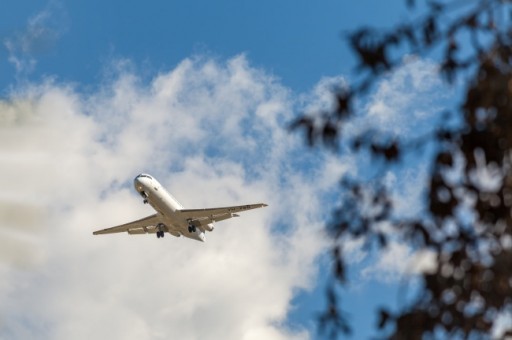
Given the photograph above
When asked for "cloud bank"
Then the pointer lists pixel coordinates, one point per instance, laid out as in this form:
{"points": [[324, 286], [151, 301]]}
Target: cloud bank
{"points": [[213, 134], [407, 104]]}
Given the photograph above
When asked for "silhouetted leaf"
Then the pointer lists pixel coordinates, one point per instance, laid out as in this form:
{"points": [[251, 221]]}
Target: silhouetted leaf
{"points": [[384, 317]]}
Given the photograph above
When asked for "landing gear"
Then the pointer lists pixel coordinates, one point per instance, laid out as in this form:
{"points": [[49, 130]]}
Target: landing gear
{"points": [[160, 230], [144, 196], [191, 227]]}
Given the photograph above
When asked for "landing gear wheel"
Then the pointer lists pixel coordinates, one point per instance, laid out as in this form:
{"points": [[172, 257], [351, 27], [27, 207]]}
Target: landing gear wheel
{"points": [[160, 230], [144, 196], [191, 228]]}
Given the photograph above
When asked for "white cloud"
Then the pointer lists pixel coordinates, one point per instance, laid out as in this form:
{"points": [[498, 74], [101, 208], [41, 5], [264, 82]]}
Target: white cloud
{"points": [[321, 99], [213, 134], [408, 102], [502, 324], [40, 34], [397, 260]]}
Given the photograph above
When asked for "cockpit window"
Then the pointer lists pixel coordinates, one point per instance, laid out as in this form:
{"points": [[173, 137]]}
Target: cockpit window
{"points": [[144, 175]]}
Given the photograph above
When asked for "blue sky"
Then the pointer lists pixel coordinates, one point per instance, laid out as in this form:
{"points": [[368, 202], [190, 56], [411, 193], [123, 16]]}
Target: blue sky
{"points": [[298, 41], [197, 93]]}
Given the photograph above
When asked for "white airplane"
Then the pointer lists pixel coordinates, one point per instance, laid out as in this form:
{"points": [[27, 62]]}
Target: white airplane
{"points": [[170, 215]]}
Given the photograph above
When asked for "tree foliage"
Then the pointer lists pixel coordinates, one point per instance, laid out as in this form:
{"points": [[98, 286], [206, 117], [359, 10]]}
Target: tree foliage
{"points": [[468, 222]]}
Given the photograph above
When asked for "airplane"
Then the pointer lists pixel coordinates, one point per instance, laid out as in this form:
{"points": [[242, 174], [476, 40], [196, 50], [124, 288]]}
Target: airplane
{"points": [[171, 217]]}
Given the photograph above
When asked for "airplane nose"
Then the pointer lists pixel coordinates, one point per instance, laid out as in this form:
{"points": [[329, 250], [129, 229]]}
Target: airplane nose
{"points": [[142, 181], [137, 183]]}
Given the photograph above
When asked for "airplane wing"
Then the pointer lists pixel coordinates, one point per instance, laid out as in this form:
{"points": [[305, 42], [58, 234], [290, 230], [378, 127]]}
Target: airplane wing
{"points": [[142, 226], [209, 215]]}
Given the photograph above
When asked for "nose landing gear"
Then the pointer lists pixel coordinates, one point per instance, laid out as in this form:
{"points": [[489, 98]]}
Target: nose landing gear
{"points": [[144, 196]]}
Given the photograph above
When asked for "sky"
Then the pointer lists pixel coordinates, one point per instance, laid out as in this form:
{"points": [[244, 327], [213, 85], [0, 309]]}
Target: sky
{"points": [[198, 94]]}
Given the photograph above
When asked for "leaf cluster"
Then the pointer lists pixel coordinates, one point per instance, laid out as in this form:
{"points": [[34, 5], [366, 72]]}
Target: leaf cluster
{"points": [[468, 219]]}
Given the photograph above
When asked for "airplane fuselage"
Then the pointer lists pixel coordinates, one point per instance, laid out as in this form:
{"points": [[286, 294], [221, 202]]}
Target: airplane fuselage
{"points": [[168, 208]]}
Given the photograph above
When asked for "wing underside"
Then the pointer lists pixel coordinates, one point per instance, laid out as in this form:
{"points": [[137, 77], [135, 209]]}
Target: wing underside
{"points": [[143, 226], [200, 217], [196, 217]]}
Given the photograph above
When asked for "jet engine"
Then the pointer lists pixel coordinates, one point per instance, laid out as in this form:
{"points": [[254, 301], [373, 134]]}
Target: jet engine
{"points": [[209, 227]]}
